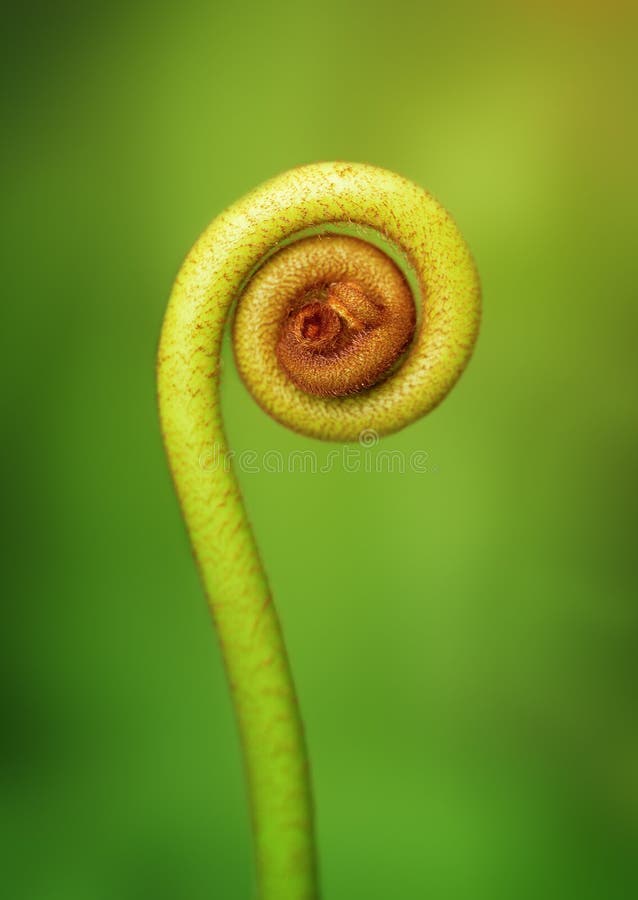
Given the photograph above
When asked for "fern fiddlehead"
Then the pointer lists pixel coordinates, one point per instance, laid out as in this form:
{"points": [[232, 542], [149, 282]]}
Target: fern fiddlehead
{"points": [[330, 340]]}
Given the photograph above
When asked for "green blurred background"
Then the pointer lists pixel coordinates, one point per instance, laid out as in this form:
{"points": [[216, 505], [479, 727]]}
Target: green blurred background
{"points": [[465, 647]]}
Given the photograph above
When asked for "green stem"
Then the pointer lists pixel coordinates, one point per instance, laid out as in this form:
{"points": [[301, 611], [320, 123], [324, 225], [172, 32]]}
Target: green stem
{"points": [[212, 275]]}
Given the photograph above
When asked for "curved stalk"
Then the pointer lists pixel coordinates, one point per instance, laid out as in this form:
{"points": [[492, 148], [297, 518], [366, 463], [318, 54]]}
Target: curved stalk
{"points": [[309, 316]]}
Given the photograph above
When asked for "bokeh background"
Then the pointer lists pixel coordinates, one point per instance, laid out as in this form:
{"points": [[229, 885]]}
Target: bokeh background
{"points": [[466, 648]]}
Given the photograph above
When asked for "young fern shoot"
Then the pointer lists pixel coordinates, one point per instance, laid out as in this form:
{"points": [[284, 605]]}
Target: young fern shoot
{"points": [[331, 341]]}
